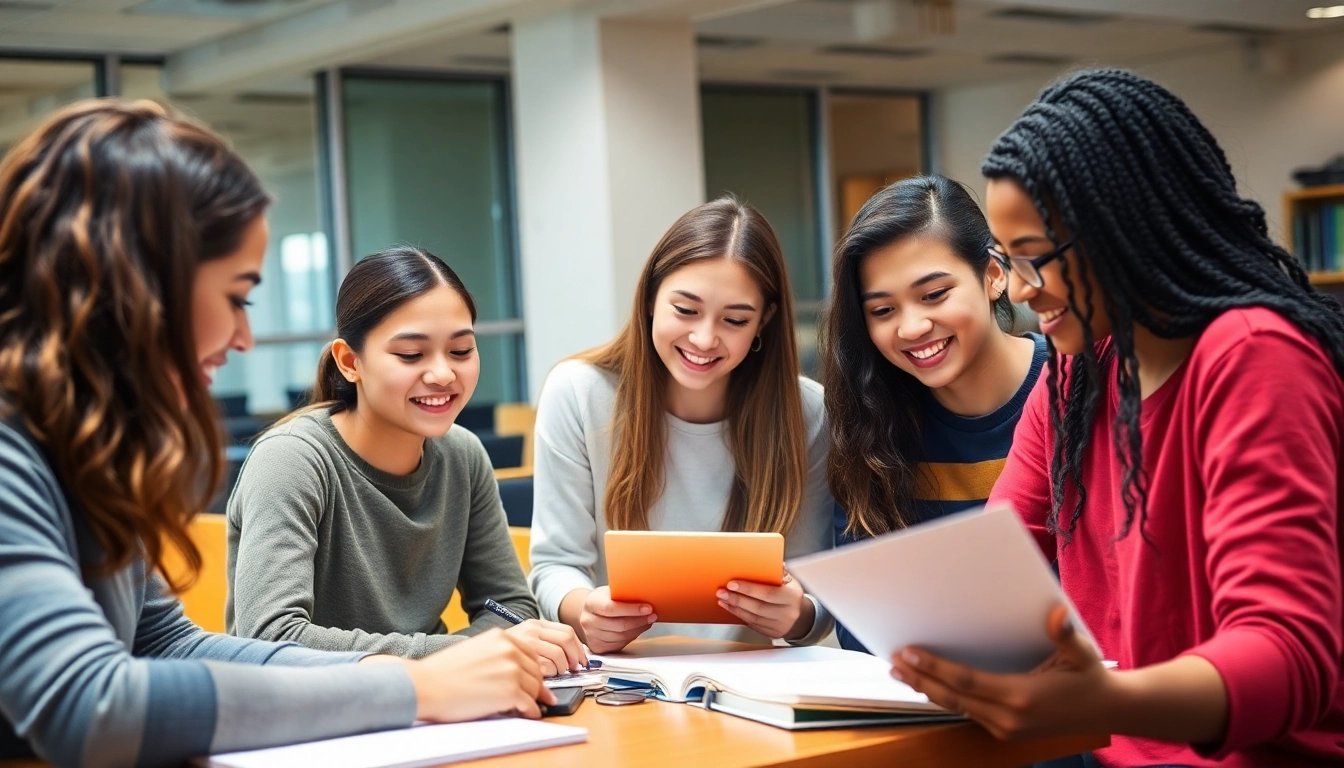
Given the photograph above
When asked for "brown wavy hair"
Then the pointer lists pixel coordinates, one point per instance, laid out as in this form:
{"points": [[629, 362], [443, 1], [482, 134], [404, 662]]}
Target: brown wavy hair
{"points": [[765, 411], [105, 212]]}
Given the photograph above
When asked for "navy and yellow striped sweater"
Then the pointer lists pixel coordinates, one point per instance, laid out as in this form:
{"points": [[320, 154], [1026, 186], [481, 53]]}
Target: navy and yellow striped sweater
{"points": [[963, 456]]}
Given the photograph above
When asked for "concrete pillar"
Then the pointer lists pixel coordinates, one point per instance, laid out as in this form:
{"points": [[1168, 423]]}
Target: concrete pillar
{"points": [[608, 151]]}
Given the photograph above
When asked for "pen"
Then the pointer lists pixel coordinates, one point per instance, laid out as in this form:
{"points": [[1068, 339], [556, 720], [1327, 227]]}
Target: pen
{"points": [[503, 612]]}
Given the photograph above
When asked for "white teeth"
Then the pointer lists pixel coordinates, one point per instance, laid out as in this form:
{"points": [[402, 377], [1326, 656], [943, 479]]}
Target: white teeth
{"points": [[432, 401], [927, 352], [1052, 314], [696, 358]]}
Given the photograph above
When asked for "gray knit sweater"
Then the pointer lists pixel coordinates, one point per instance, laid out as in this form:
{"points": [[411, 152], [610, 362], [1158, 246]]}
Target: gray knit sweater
{"points": [[330, 552]]}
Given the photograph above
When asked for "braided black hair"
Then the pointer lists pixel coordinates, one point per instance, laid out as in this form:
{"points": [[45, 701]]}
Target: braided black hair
{"points": [[1148, 197]]}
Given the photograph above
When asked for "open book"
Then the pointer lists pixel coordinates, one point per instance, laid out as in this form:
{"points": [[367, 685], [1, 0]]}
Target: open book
{"points": [[792, 688]]}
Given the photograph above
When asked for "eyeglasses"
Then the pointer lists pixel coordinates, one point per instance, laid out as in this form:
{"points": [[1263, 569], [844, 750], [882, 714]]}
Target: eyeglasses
{"points": [[1028, 268], [619, 697]]}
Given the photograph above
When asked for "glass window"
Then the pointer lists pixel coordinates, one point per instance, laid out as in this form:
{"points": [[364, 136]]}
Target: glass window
{"points": [[31, 89], [761, 145], [427, 163], [274, 130]]}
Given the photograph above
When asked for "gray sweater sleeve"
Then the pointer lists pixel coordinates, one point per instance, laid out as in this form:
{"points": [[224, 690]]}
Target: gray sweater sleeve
{"points": [[277, 506], [490, 567], [564, 513], [70, 687]]}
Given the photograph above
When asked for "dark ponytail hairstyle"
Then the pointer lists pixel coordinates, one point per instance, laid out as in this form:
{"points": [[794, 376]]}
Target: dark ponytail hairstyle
{"points": [[873, 406], [1146, 194], [375, 287]]}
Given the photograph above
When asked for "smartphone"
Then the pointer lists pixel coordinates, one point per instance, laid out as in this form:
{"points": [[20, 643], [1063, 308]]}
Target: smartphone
{"points": [[566, 701]]}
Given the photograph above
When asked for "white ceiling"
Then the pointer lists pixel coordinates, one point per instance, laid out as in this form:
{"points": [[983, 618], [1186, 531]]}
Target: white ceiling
{"points": [[271, 46], [827, 41]]}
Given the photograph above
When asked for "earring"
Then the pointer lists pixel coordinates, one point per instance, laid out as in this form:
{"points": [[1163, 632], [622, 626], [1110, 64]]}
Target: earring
{"points": [[756, 345]]}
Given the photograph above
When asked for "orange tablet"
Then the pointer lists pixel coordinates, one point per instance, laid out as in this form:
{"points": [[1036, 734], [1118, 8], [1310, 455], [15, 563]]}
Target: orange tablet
{"points": [[680, 572]]}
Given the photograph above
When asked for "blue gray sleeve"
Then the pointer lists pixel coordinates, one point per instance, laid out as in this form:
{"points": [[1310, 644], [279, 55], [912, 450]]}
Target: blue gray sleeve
{"points": [[71, 689]]}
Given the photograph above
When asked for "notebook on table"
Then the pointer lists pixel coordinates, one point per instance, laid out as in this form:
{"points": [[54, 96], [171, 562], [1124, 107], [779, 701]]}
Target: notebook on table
{"points": [[793, 688], [414, 747]]}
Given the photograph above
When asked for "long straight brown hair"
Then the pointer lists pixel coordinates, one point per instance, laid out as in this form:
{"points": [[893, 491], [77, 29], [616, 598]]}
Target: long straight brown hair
{"points": [[106, 211], [766, 433]]}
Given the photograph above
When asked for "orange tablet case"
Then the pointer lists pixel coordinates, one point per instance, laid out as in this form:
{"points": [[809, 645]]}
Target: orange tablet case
{"points": [[680, 572]]}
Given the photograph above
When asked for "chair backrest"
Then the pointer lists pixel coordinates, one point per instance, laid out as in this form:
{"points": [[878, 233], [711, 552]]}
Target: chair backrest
{"points": [[516, 495], [203, 601], [298, 397], [504, 450], [232, 405], [518, 419], [453, 616], [477, 417]]}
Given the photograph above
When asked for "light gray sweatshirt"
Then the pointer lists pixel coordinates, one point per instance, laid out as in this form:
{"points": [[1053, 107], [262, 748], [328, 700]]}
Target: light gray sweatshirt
{"points": [[331, 552], [573, 463]]}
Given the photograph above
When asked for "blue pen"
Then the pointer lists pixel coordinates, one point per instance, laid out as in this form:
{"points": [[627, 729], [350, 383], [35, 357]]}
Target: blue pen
{"points": [[503, 611]]}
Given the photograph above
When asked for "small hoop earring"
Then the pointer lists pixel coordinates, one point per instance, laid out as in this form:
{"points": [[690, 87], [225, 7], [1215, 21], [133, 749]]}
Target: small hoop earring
{"points": [[756, 345]]}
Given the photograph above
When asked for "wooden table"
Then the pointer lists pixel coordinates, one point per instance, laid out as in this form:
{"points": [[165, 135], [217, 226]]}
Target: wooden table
{"points": [[658, 734]]}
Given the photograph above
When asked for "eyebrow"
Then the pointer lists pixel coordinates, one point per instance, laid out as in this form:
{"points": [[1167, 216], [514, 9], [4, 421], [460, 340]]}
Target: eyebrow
{"points": [[1023, 240], [416, 336], [693, 297], [929, 278], [251, 277]]}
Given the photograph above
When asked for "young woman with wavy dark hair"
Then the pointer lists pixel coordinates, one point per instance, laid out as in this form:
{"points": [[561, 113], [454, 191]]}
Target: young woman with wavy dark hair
{"points": [[354, 519], [924, 382], [130, 238], [694, 418], [1182, 459]]}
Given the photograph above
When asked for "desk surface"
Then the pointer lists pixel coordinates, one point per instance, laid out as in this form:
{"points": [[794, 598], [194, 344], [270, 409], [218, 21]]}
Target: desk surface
{"points": [[656, 734]]}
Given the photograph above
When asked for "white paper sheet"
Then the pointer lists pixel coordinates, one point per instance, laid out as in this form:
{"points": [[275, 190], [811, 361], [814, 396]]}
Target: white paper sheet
{"points": [[421, 745]]}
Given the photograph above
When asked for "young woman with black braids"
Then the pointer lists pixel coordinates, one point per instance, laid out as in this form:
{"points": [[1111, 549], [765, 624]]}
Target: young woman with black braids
{"points": [[1182, 458]]}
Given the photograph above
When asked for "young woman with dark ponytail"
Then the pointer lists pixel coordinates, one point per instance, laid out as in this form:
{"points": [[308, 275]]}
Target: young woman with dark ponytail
{"points": [[130, 238], [355, 519], [1182, 459], [924, 381]]}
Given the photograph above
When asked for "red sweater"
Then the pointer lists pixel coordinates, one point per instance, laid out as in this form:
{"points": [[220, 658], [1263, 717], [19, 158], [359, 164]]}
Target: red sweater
{"points": [[1243, 448]]}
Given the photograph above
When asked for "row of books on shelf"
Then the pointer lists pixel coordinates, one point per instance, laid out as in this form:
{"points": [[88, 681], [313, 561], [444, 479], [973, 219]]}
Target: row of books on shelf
{"points": [[1318, 237]]}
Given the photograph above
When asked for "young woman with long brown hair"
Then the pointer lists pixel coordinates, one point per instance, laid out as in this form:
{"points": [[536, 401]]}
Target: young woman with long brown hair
{"points": [[924, 382], [129, 240], [355, 518], [694, 418]]}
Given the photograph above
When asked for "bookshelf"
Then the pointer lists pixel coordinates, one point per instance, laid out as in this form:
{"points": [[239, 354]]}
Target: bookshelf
{"points": [[1314, 224]]}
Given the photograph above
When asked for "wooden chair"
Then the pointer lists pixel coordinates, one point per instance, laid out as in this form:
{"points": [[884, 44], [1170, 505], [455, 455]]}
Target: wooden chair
{"points": [[453, 616], [203, 601], [518, 419]]}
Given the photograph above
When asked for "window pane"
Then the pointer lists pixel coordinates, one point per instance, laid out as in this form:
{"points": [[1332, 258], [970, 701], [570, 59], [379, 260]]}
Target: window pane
{"points": [[760, 145], [501, 357], [274, 130], [31, 90], [427, 164]]}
